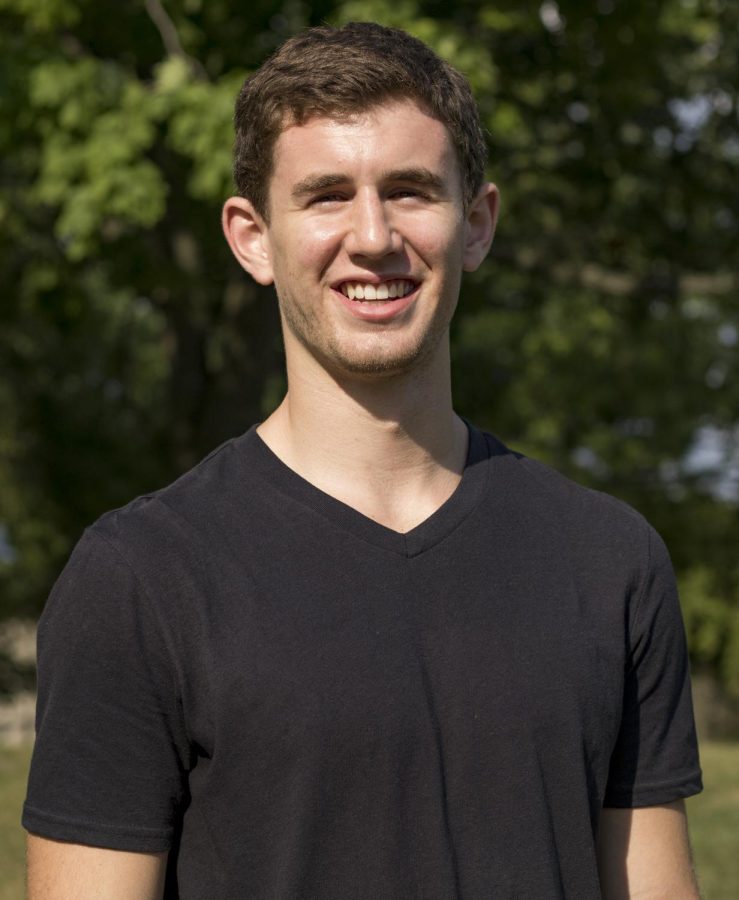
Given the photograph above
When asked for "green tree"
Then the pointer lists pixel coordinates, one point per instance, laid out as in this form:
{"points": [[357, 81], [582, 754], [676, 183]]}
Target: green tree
{"points": [[601, 336]]}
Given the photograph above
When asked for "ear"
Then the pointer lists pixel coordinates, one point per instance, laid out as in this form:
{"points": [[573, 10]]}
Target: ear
{"points": [[480, 222], [246, 233]]}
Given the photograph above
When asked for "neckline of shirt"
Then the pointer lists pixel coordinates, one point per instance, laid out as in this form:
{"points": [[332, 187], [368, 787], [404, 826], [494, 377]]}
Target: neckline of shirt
{"points": [[472, 487]]}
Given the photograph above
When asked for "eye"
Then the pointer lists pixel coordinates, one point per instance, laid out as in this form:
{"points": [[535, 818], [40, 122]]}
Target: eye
{"points": [[409, 193], [325, 199]]}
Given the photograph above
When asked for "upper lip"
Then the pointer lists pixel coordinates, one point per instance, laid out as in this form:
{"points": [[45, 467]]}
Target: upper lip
{"points": [[372, 279]]}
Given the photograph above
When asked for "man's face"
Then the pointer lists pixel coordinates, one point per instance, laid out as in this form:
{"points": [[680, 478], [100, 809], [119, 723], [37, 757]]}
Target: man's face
{"points": [[366, 239]]}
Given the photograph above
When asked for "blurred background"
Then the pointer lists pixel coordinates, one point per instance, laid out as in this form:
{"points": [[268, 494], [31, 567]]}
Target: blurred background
{"points": [[601, 336]]}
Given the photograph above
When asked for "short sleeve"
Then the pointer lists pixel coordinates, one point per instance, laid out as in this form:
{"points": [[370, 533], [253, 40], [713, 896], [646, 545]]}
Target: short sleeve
{"points": [[655, 758], [110, 762]]}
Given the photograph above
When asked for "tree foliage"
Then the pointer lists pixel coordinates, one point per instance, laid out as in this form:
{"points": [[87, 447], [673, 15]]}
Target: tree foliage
{"points": [[601, 336]]}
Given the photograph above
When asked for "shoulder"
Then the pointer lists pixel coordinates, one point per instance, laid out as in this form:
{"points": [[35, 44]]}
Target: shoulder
{"points": [[555, 494], [188, 507], [596, 531], [159, 552], [165, 542]]}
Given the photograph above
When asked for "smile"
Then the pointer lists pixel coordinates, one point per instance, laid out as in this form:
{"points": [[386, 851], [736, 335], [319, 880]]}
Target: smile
{"points": [[388, 290]]}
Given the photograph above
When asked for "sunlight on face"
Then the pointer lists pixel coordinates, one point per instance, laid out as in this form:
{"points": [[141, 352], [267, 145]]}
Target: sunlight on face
{"points": [[362, 209]]}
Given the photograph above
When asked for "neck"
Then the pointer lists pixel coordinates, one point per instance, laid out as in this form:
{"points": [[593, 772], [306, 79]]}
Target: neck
{"points": [[392, 448]]}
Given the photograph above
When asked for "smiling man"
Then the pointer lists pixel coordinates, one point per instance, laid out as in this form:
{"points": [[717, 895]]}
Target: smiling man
{"points": [[364, 650]]}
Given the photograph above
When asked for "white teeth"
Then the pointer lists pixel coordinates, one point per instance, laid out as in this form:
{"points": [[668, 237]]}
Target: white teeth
{"points": [[357, 290]]}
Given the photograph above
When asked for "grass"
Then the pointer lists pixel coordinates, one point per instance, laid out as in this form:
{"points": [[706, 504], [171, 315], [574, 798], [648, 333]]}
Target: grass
{"points": [[13, 772], [713, 816], [714, 822]]}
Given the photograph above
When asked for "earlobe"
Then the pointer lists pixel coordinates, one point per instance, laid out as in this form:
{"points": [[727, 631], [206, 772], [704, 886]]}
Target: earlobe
{"points": [[246, 233], [481, 219]]}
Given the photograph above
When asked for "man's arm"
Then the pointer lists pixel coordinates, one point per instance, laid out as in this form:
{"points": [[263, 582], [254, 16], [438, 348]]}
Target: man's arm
{"points": [[644, 853], [61, 871]]}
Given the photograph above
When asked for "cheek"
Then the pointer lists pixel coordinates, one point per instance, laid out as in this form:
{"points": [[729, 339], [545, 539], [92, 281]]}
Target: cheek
{"points": [[436, 240], [310, 251], [320, 244]]}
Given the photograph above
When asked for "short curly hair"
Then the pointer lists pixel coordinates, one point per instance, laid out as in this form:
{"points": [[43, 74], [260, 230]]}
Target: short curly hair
{"points": [[340, 72]]}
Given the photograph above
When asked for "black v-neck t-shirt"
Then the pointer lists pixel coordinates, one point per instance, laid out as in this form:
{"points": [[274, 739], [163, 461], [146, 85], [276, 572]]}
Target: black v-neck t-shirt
{"points": [[298, 702]]}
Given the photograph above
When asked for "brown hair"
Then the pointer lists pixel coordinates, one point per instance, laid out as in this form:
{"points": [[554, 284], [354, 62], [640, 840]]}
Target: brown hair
{"points": [[338, 72]]}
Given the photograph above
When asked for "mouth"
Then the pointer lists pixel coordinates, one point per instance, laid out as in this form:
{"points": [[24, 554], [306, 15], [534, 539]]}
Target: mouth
{"points": [[364, 292], [378, 303]]}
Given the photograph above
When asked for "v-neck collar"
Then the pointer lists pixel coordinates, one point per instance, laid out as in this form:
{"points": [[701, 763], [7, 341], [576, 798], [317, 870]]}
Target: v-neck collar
{"points": [[264, 463]]}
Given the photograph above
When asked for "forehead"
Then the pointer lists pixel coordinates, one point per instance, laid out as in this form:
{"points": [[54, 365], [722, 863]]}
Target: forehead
{"points": [[394, 135]]}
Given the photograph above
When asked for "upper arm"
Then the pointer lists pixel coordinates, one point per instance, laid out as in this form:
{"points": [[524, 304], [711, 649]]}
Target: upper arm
{"points": [[111, 758], [645, 853], [62, 871]]}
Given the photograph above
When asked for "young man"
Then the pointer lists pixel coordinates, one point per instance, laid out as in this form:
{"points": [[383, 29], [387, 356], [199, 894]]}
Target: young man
{"points": [[364, 650]]}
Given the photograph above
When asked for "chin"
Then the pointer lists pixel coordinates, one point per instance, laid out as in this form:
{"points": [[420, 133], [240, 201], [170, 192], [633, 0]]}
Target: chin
{"points": [[375, 366]]}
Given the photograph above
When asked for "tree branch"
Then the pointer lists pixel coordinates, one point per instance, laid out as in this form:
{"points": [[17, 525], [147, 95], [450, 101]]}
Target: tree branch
{"points": [[170, 38], [617, 282]]}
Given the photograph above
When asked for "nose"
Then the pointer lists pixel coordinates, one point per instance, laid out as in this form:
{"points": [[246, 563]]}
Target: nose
{"points": [[371, 231]]}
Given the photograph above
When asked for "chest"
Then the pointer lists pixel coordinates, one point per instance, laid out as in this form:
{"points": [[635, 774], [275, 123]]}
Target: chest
{"points": [[343, 647]]}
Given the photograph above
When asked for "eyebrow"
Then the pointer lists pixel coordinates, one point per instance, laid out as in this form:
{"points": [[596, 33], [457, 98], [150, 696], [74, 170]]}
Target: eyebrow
{"points": [[314, 184], [421, 176], [417, 175]]}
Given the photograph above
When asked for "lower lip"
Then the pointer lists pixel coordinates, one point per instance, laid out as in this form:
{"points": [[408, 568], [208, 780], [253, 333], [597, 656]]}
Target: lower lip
{"points": [[377, 310]]}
